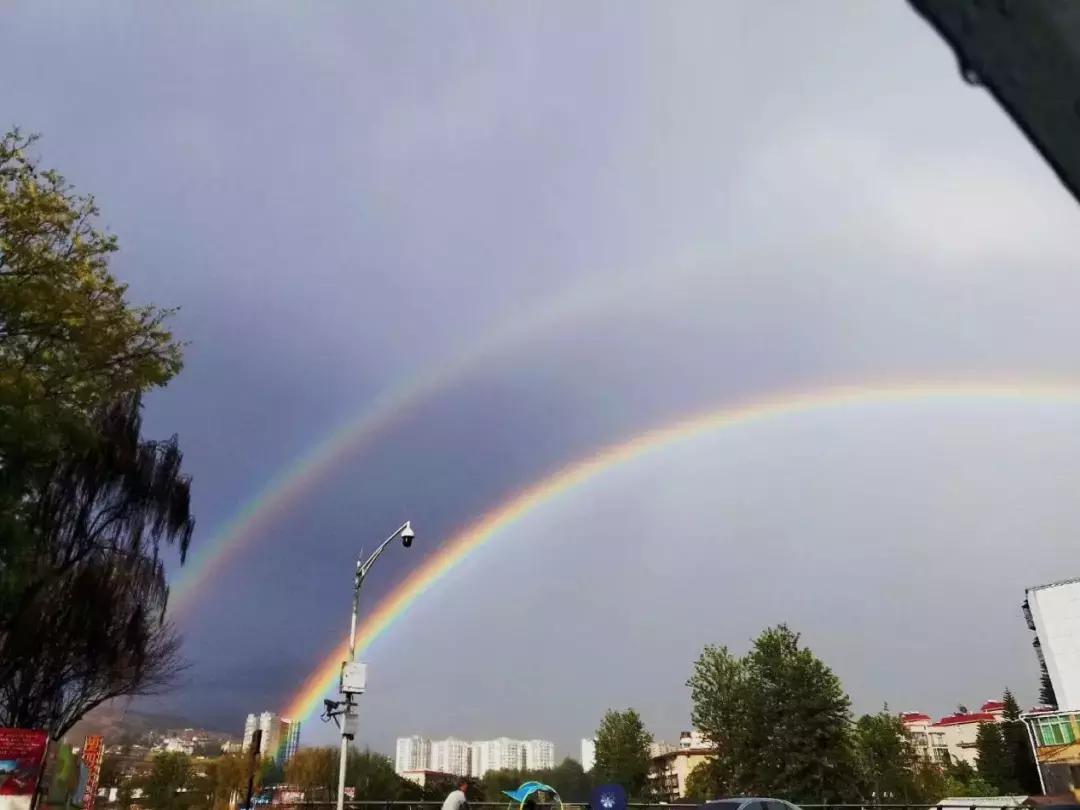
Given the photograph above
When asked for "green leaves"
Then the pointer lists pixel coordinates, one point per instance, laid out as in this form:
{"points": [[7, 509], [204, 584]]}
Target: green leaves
{"points": [[780, 720], [622, 751]]}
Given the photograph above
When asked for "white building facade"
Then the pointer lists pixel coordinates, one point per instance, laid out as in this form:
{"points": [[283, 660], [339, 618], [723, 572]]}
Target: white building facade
{"points": [[539, 754], [452, 756], [413, 754], [588, 754]]}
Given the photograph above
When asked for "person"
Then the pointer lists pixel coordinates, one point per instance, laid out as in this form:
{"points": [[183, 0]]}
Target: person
{"points": [[456, 800]]}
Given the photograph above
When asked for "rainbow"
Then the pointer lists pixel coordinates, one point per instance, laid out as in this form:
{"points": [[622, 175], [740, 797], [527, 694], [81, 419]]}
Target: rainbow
{"points": [[440, 563], [294, 480]]}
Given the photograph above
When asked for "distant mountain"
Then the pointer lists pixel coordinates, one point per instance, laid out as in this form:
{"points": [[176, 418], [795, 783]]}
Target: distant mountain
{"points": [[120, 725]]}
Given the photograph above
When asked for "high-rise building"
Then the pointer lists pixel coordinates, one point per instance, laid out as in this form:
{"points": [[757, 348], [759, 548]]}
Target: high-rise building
{"points": [[451, 756], [280, 737], [588, 754], [538, 754], [502, 753], [413, 754], [291, 742]]}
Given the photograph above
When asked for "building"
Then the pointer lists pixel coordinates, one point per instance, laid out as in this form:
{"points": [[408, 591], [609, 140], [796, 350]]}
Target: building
{"points": [[672, 764], [538, 755], [291, 740], [452, 756], [952, 738], [929, 744], [588, 754], [501, 754], [413, 754], [1053, 613], [280, 737]]}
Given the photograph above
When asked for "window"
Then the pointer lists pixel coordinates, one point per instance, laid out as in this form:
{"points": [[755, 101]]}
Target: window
{"points": [[1055, 731]]}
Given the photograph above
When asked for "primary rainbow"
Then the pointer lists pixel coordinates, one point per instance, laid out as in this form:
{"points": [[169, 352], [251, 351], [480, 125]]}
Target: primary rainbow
{"points": [[323, 679]]}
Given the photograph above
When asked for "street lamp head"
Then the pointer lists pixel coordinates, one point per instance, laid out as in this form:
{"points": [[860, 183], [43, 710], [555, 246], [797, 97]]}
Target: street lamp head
{"points": [[407, 534]]}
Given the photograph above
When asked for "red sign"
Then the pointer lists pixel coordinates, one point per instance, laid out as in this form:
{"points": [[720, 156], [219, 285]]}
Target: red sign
{"points": [[91, 760], [22, 751]]}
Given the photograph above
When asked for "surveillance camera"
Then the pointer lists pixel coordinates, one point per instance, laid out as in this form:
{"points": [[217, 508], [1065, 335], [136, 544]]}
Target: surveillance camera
{"points": [[407, 535]]}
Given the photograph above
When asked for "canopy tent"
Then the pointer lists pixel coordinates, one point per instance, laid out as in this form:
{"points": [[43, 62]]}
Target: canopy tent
{"points": [[529, 789]]}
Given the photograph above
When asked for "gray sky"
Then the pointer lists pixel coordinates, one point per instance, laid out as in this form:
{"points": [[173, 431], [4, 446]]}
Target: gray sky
{"points": [[735, 198]]}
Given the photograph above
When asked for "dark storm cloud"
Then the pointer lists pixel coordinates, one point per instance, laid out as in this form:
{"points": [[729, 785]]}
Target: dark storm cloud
{"points": [[754, 197]]}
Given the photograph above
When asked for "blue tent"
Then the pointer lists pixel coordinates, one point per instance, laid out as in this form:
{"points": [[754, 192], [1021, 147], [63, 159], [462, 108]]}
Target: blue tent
{"points": [[528, 789]]}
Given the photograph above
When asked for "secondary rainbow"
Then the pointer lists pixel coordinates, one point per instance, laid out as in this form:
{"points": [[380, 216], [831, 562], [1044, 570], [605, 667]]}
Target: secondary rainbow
{"points": [[295, 479], [395, 604]]}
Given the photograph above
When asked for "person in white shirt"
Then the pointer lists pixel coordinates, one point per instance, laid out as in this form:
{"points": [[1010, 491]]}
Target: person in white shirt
{"points": [[456, 800]]}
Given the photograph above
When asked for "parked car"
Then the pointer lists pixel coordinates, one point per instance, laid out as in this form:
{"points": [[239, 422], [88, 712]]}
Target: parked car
{"points": [[748, 803]]}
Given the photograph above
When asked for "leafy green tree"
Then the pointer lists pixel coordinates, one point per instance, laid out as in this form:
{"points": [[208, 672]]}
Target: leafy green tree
{"points": [[993, 764], [84, 502], [168, 776], [622, 752], [962, 780], [780, 719], [70, 342], [705, 782], [888, 760], [1023, 770]]}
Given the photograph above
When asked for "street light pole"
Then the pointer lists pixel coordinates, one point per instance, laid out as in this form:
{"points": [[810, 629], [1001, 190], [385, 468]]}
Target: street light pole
{"points": [[353, 678]]}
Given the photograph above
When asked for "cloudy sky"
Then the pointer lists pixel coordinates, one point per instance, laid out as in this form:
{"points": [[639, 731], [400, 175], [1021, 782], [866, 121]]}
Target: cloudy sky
{"points": [[589, 219]]}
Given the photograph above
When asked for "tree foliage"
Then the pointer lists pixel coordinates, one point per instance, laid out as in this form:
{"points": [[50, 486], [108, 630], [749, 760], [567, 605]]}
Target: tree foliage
{"points": [[69, 340], [1023, 770], [87, 620], [314, 771], [993, 765], [85, 503], [168, 776], [888, 761], [568, 777], [622, 751], [780, 720]]}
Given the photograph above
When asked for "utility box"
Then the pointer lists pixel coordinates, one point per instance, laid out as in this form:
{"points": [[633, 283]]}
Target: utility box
{"points": [[353, 678]]}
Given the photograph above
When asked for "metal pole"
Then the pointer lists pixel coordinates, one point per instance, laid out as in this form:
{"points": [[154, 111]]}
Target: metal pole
{"points": [[360, 572]]}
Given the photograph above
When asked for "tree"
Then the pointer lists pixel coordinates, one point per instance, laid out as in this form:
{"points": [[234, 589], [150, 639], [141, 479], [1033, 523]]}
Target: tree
{"points": [[69, 340], [1023, 770], [314, 771], [993, 763], [373, 776], [87, 620], [705, 782], [1046, 688], [571, 780], [780, 720], [962, 780], [169, 774], [227, 777], [888, 760], [622, 751], [84, 503]]}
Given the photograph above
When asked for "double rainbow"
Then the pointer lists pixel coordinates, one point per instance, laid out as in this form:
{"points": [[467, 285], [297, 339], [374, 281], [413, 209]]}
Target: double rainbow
{"points": [[395, 604]]}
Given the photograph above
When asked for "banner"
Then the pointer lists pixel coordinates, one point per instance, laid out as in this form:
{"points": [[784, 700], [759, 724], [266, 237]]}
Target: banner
{"points": [[22, 752], [91, 761]]}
